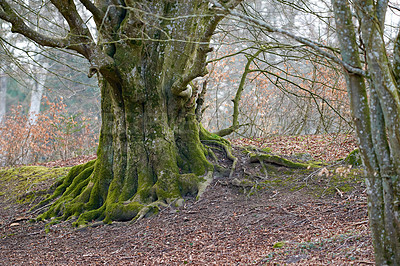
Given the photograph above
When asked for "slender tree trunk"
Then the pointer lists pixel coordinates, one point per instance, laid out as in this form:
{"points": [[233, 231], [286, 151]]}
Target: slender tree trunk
{"points": [[377, 122], [36, 95], [34, 108], [3, 88], [236, 101], [3, 95]]}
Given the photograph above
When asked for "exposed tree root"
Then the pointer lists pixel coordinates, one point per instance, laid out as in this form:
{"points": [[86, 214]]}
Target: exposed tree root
{"points": [[88, 194], [208, 139], [74, 201], [76, 175], [150, 208], [278, 160]]}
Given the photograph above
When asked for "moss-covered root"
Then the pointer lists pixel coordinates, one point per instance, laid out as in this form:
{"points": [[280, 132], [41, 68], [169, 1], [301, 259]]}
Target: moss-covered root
{"points": [[189, 184], [75, 175], [148, 201], [275, 159], [208, 138], [80, 188], [70, 191]]}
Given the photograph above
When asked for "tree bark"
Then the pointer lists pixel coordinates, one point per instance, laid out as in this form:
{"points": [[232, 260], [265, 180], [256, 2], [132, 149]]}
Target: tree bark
{"points": [[3, 95], [3, 102], [37, 94], [377, 121], [149, 153]]}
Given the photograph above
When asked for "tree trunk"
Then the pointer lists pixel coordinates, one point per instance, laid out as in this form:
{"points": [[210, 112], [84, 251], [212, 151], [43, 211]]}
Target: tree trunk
{"points": [[377, 122], [36, 94], [34, 107], [3, 95], [149, 152], [3, 89]]}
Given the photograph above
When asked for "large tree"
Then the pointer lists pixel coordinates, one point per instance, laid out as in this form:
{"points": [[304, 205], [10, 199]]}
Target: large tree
{"points": [[145, 55]]}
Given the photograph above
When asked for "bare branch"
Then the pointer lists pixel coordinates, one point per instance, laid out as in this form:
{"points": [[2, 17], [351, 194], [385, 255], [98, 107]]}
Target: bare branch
{"points": [[198, 68], [19, 26], [79, 32], [71, 15], [312, 44], [394, 7], [97, 13]]}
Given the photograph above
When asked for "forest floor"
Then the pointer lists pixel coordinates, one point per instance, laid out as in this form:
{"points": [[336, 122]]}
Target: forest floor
{"points": [[296, 217]]}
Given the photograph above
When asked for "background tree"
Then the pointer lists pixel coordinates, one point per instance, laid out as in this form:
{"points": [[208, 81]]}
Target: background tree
{"points": [[3, 95], [375, 106], [374, 99], [37, 94], [145, 55], [3, 79]]}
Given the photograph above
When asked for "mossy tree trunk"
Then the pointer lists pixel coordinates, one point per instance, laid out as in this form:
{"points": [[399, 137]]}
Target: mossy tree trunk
{"points": [[377, 118], [149, 152]]}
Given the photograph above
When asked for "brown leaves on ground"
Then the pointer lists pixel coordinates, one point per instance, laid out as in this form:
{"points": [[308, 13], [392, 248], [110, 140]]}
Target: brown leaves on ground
{"points": [[320, 147], [225, 227], [70, 162]]}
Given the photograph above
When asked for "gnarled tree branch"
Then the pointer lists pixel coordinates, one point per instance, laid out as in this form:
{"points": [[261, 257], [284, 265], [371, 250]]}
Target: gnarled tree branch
{"points": [[97, 13], [19, 26], [198, 68]]}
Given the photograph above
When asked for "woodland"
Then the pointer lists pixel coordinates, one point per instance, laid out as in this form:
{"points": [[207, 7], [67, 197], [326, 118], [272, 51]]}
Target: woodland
{"points": [[200, 132]]}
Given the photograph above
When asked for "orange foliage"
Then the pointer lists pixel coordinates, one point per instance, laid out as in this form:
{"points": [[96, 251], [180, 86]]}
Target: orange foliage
{"points": [[54, 135]]}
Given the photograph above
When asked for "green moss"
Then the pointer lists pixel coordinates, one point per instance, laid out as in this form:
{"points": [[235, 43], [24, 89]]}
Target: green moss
{"points": [[334, 180], [167, 186], [120, 212], [30, 196], [74, 183], [208, 136], [192, 156], [275, 159], [211, 140], [303, 156], [188, 184], [17, 182], [354, 158], [145, 193], [340, 180], [91, 215], [266, 149], [76, 174]]}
